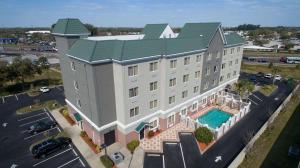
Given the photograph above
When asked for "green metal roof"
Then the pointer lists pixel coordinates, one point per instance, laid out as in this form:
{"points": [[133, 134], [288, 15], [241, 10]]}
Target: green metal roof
{"points": [[69, 26], [204, 30], [153, 31], [234, 38]]}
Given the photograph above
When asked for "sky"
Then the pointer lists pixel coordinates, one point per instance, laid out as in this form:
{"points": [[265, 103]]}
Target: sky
{"points": [[137, 13]]}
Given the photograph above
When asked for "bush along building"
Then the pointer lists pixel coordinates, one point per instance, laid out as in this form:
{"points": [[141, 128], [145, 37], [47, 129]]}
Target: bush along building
{"points": [[122, 86]]}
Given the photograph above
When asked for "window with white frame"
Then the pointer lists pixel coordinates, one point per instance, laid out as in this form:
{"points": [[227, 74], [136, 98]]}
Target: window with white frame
{"points": [[214, 81], [133, 92], [221, 78], [132, 70], [196, 89], [238, 49], [223, 65], [153, 104], [215, 69], [197, 74], [231, 50], [209, 56], [230, 63], [205, 84], [207, 71], [76, 85], [173, 64], [234, 73], [134, 111], [225, 52], [153, 66], [236, 61], [171, 99], [72, 64], [153, 124], [78, 102], [194, 106], [172, 82], [183, 111], [204, 101], [153, 86], [186, 60], [185, 78], [184, 94], [198, 58], [218, 54], [228, 75], [171, 120]]}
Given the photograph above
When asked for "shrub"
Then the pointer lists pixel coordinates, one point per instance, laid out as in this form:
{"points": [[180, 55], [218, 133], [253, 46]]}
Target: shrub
{"points": [[298, 66], [82, 133], [204, 135], [132, 145], [150, 134], [65, 112], [106, 161]]}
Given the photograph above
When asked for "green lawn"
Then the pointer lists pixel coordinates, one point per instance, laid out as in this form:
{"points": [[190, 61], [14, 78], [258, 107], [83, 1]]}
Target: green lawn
{"points": [[270, 150], [286, 72], [267, 89], [32, 84], [51, 104]]}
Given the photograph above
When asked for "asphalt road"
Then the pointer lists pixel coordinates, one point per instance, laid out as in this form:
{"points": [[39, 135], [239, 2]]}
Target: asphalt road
{"points": [[15, 140], [229, 145]]}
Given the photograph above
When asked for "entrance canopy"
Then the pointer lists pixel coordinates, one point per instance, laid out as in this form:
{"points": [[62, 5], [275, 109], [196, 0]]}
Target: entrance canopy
{"points": [[140, 127], [77, 117]]}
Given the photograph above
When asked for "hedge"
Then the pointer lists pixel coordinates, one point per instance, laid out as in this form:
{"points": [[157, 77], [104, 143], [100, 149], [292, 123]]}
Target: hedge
{"points": [[106, 161], [204, 135], [132, 145]]}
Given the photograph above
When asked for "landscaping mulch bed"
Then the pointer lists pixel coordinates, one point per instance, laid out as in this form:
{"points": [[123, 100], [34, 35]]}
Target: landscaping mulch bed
{"points": [[203, 147], [90, 143], [70, 120]]}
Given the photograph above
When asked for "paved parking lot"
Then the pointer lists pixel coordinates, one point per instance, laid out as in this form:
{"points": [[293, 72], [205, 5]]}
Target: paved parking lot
{"points": [[16, 141]]}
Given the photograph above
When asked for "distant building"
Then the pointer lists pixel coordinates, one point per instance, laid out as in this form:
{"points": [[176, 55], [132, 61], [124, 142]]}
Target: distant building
{"points": [[38, 31], [8, 40]]}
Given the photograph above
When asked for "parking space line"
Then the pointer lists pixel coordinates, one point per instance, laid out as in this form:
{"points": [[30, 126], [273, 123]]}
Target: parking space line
{"points": [[39, 133], [81, 162], [3, 101], [30, 116], [252, 101], [182, 155], [49, 116], [52, 157], [257, 97], [74, 152], [33, 121], [16, 97], [68, 162], [163, 158]]}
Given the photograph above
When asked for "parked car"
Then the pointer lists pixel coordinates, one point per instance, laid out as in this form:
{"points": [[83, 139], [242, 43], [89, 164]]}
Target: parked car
{"points": [[41, 126], [277, 77], [41, 150], [253, 78], [268, 76], [44, 89], [260, 74]]}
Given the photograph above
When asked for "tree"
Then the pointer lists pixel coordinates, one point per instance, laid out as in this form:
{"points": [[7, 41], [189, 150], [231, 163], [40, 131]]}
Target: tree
{"points": [[244, 86], [204, 135], [43, 65], [270, 65], [3, 72]]}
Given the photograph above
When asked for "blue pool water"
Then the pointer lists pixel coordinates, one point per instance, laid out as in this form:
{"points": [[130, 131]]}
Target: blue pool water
{"points": [[214, 118]]}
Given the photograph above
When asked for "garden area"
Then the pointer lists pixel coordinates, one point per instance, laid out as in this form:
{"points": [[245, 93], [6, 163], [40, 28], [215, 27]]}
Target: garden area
{"points": [[267, 89], [204, 138], [65, 113], [50, 105]]}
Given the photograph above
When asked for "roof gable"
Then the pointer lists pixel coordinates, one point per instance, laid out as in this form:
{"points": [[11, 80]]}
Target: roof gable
{"points": [[153, 31], [69, 26], [234, 38]]}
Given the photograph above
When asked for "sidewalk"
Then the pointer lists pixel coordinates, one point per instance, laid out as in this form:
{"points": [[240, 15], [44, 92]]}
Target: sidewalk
{"points": [[74, 133]]}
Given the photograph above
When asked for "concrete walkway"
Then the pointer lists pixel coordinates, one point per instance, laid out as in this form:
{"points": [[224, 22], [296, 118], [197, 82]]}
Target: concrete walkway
{"points": [[74, 133]]}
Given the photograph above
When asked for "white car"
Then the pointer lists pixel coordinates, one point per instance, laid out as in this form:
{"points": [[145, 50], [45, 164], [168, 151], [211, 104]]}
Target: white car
{"points": [[277, 77], [44, 89], [268, 76]]}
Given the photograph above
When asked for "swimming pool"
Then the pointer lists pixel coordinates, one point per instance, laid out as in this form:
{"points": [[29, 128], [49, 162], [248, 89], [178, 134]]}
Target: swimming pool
{"points": [[214, 118]]}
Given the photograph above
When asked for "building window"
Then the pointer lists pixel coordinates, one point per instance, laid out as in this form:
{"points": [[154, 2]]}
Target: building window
{"points": [[184, 94], [231, 50], [134, 111], [76, 85], [236, 61], [153, 104], [133, 92], [196, 89], [221, 78], [197, 74], [223, 65], [195, 106], [185, 78], [153, 124], [238, 49], [173, 64], [171, 120], [215, 69], [73, 66], [207, 71], [205, 85], [225, 52], [209, 56], [198, 58], [234, 73], [133, 70], [171, 99], [218, 54], [153, 86], [230, 63], [172, 82], [228, 75], [214, 81], [78, 103], [183, 111], [186, 60], [153, 66]]}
